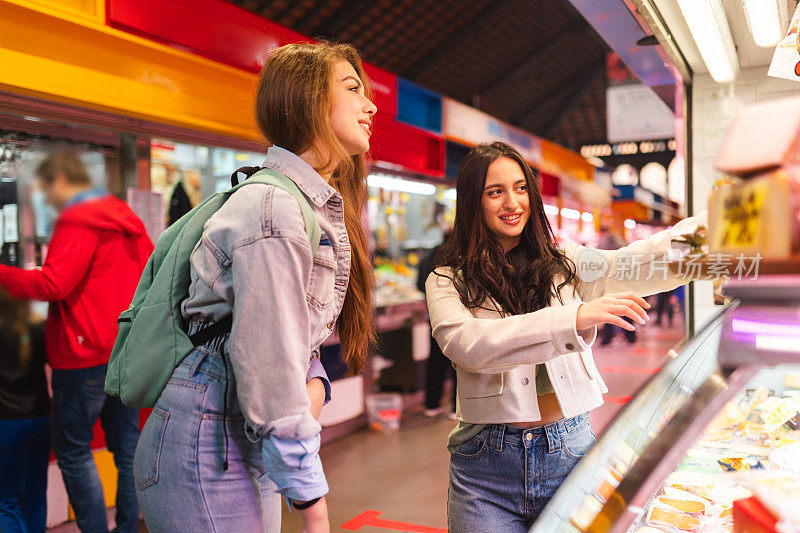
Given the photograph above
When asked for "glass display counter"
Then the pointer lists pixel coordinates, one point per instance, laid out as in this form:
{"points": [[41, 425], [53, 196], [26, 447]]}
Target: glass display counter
{"points": [[718, 424]]}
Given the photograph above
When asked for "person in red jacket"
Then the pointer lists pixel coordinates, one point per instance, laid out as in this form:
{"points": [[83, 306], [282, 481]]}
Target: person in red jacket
{"points": [[95, 258]]}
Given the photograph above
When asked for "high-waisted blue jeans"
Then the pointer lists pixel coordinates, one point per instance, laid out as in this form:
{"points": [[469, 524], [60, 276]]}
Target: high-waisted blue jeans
{"points": [[501, 479], [178, 468]]}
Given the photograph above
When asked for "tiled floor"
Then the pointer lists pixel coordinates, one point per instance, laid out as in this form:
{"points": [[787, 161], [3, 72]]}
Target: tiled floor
{"points": [[399, 483]]}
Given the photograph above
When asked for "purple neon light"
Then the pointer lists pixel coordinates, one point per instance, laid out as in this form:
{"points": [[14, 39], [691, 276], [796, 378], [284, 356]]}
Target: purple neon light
{"points": [[757, 327]]}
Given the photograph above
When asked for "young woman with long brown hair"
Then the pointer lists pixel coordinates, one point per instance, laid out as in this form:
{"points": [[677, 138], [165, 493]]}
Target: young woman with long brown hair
{"points": [[255, 261], [516, 316]]}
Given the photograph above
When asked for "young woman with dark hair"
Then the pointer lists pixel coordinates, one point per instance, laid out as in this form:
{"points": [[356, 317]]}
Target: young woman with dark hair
{"points": [[255, 262], [516, 316]]}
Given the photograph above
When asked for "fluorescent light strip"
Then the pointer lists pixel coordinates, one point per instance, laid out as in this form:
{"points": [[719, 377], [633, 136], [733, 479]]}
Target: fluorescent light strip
{"points": [[550, 210], [570, 213], [630, 223], [709, 28], [587, 217], [450, 194], [756, 327], [765, 18], [778, 343], [389, 183]]}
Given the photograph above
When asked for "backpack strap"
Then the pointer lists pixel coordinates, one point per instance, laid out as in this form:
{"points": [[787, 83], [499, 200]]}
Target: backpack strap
{"points": [[313, 230], [268, 176]]}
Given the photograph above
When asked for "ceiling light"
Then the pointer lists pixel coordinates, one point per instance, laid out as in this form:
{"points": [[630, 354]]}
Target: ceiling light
{"points": [[767, 20], [450, 194], [389, 183], [550, 210], [596, 161], [709, 28], [587, 216], [573, 214], [777, 343], [629, 223]]}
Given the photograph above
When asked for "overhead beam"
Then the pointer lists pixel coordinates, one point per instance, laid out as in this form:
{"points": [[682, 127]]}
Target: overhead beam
{"points": [[306, 26], [584, 85], [481, 22], [525, 115], [352, 10], [564, 34], [278, 17]]}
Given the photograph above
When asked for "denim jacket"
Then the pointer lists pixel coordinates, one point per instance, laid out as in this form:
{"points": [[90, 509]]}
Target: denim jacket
{"points": [[255, 259]]}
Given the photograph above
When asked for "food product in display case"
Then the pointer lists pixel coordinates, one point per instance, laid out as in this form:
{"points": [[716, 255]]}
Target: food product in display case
{"points": [[759, 211], [717, 426]]}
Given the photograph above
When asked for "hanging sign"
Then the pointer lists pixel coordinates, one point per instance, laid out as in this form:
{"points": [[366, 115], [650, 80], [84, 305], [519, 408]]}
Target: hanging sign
{"points": [[469, 126], [786, 60], [635, 113]]}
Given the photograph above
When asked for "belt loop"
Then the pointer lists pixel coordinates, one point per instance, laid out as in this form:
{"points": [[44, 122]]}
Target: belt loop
{"points": [[496, 437], [553, 432], [201, 356]]}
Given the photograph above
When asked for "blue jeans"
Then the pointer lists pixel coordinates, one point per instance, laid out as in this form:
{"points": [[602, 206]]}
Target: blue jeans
{"points": [[179, 472], [24, 456], [78, 401], [501, 479]]}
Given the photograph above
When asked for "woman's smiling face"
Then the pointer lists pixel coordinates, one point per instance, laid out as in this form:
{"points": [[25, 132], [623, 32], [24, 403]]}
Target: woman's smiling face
{"points": [[505, 202], [351, 111]]}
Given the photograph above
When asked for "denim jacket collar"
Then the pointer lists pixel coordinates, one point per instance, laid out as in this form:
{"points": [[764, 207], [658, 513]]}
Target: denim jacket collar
{"points": [[307, 179]]}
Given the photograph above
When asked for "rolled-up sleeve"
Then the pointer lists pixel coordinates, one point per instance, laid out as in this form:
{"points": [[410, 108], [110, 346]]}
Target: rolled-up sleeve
{"points": [[295, 467], [270, 349]]}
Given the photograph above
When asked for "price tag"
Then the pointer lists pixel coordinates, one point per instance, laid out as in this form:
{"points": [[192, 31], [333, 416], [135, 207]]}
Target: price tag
{"points": [[776, 412], [740, 218]]}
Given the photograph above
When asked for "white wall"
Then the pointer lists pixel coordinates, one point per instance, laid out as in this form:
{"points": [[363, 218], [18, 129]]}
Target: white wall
{"points": [[714, 107]]}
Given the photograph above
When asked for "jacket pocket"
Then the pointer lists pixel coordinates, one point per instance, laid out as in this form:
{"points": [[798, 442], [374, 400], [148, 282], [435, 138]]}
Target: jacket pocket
{"points": [[321, 285], [472, 386], [147, 460]]}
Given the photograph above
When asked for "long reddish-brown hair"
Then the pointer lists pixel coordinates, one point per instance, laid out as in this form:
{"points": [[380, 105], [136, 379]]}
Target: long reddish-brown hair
{"points": [[293, 105]]}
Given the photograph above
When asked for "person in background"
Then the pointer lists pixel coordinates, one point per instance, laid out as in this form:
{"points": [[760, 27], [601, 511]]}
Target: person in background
{"points": [[610, 240], [24, 420], [95, 258], [664, 303], [439, 367]]}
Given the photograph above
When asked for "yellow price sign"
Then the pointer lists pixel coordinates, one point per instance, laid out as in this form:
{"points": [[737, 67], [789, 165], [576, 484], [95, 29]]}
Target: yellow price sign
{"points": [[741, 216]]}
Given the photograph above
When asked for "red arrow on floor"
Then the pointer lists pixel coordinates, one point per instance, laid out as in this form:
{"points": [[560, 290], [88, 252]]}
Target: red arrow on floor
{"points": [[371, 519]]}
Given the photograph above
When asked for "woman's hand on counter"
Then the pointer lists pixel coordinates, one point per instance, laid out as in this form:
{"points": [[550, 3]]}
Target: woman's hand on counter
{"points": [[610, 309]]}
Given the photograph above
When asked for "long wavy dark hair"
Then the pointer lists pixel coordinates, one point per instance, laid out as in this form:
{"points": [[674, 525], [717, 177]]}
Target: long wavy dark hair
{"points": [[520, 280]]}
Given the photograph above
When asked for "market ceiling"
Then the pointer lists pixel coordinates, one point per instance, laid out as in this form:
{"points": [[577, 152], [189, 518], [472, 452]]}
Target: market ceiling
{"points": [[538, 65]]}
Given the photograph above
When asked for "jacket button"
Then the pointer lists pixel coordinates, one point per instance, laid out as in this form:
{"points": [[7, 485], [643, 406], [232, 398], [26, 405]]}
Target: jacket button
{"points": [[529, 436], [525, 381], [570, 346]]}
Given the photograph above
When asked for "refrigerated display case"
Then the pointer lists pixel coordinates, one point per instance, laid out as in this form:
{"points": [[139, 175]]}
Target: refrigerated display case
{"points": [[718, 424]]}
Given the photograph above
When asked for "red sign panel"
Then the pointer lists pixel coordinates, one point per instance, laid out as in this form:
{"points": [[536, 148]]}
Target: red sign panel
{"points": [[234, 36], [214, 29]]}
